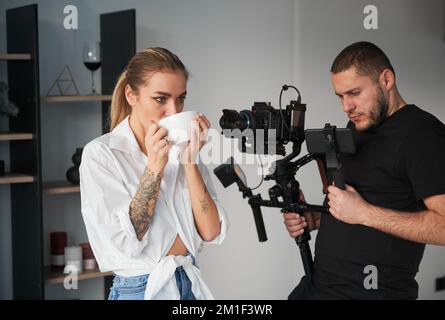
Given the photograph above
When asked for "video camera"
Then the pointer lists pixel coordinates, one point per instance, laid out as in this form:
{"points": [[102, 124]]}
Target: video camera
{"points": [[265, 130], [282, 125]]}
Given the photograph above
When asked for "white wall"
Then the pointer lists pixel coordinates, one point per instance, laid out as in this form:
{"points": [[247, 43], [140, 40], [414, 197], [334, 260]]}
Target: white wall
{"points": [[238, 52]]}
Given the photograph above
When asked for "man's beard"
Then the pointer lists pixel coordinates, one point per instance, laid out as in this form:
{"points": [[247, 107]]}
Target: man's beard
{"points": [[378, 113]]}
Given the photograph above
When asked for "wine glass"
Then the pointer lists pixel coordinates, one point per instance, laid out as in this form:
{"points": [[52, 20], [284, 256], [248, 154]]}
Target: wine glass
{"points": [[92, 59]]}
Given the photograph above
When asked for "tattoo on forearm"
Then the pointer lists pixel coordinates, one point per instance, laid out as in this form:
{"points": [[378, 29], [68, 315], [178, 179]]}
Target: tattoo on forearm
{"points": [[204, 206], [144, 202]]}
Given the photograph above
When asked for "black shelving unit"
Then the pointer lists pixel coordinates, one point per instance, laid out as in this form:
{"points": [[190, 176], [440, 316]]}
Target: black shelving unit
{"points": [[25, 155], [118, 40]]}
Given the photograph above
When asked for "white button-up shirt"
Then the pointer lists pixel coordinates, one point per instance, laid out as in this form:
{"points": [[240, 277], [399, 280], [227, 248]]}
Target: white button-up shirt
{"points": [[111, 168]]}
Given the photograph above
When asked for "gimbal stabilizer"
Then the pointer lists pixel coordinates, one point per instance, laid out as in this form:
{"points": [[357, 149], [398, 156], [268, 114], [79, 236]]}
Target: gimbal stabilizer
{"points": [[324, 146]]}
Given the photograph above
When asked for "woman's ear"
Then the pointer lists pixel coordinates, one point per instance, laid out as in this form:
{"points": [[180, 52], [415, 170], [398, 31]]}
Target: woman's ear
{"points": [[130, 95], [387, 79]]}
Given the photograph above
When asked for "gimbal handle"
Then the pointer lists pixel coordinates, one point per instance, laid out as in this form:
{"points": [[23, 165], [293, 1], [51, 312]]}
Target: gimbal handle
{"points": [[338, 178], [259, 223]]}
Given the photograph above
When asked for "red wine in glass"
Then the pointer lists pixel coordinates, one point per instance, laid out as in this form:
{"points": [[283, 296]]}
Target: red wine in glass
{"points": [[92, 60], [92, 66]]}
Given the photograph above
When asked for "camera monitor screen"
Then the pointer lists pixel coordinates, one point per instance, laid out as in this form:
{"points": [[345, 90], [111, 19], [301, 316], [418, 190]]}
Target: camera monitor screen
{"points": [[316, 140]]}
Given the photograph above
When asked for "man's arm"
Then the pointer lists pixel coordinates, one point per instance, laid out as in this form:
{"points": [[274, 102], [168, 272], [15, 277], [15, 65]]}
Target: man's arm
{"points": [[426, 226]]}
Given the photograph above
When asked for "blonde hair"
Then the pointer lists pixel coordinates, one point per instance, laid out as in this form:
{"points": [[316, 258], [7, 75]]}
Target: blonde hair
{"points": [[136, 73]]}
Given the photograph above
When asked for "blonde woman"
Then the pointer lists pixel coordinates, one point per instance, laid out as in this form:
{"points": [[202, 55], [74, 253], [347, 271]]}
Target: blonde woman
{"points": [[147, 207]]}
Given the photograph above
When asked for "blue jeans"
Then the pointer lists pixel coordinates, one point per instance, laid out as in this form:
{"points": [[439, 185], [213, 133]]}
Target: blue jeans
{"points": [[133, 288]]}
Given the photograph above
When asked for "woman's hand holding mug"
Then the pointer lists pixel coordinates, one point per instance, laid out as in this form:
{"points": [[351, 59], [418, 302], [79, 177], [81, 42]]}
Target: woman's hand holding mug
{"points": [[157, 146]]}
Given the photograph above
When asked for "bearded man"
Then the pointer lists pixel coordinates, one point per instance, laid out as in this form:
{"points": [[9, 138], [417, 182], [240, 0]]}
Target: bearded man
{"points": [[372, 242]]}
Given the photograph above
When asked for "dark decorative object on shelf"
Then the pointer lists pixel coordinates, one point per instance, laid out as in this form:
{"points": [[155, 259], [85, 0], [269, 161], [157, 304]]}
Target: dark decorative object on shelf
{"points": [[7, 107], [58, 241], [73, 173], [2, 167]]}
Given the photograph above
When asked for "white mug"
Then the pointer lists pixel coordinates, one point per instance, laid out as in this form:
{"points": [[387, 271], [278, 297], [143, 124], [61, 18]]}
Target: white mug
{"points": [[178, 126]]}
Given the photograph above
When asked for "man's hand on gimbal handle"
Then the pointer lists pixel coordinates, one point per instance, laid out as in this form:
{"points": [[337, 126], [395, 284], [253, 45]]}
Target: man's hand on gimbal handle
{"points": [[295, 223]]}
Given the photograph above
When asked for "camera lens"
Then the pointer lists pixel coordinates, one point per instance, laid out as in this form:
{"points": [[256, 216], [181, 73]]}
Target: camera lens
{"points": [[233, 119]]}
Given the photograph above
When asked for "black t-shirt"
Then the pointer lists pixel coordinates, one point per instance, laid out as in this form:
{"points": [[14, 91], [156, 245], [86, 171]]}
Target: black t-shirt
{"points": [[396, 165]]}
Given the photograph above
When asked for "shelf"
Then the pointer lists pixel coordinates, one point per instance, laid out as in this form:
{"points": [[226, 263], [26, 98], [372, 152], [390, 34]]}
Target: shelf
{"points": [[9, 136], [56, 277], [60, 187], [10, 178], [15, 56], [76, 98]]}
